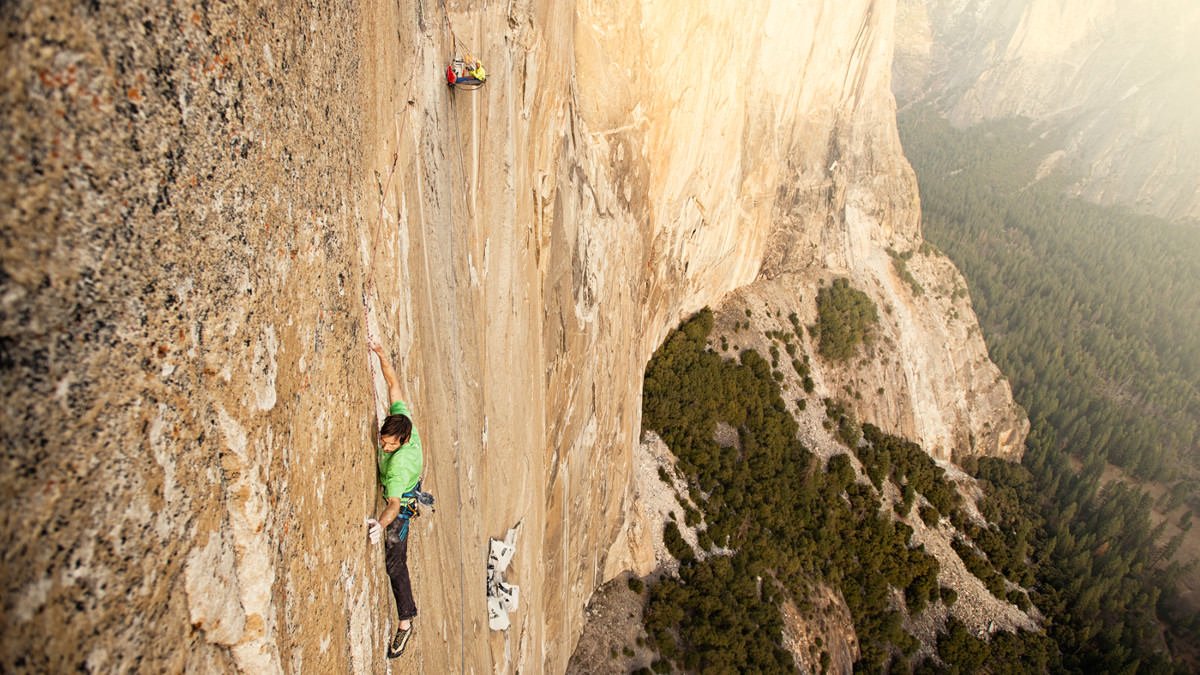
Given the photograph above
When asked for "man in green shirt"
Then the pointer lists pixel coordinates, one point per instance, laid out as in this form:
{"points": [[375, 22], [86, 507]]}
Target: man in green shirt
{"points": [[400, 464]]}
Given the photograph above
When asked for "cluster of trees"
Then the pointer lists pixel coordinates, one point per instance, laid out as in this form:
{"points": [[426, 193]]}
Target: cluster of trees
{"points": [[1095, 566], [846, 318], [720, 615], [908, 466], [1091, 552], [1002, 653], [1088, 555], [789, 521], [900, 263], [1091, 314], [800, 362]]}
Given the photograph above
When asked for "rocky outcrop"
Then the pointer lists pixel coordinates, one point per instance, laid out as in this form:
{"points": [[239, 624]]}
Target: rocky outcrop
{"points": [[822, 637], [209, 208], [1112, 81], [925, 375]]}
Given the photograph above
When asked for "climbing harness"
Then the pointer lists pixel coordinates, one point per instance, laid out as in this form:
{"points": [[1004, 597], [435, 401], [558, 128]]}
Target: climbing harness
{"points": [[409, 508]]}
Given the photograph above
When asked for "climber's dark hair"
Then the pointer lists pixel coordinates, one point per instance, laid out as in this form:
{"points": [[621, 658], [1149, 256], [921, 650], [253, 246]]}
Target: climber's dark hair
{"points": [[397, 425]]}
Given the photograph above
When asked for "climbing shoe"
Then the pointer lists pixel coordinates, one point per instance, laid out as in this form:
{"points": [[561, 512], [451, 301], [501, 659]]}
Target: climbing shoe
{"points": [[400, 641]]}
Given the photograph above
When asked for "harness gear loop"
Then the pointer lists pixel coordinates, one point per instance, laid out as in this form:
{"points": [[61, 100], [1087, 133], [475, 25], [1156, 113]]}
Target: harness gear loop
{"points": [[409, 507]]}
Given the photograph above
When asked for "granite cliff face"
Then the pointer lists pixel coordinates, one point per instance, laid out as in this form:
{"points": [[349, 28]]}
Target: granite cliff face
{"points": [[1115, 80], [208, 210]]}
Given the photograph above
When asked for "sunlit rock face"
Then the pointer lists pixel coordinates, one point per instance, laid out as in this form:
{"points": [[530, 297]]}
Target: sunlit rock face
{"points": [[208, 209], [1117, 79]]}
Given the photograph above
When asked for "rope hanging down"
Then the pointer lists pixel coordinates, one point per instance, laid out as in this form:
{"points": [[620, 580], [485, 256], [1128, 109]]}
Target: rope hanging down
{"points": [[462, 579], [464, 70]]}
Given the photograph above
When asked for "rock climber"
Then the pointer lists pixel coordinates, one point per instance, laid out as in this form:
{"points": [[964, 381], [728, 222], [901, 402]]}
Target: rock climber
{"points": [[400, 464], [465, 72]]}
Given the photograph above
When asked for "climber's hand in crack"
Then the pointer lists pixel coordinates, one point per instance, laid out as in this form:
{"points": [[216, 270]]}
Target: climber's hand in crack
{"points": [[374, 530], [389, 374]]}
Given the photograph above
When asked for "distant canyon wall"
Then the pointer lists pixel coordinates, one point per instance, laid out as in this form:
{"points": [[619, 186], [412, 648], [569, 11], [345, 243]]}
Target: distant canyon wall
{"points": [[1117, 79], [210, 209]]}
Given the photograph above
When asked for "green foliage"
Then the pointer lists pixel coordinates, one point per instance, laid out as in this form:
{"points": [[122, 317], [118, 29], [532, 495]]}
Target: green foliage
{"points": [[1003, 653], [1018, 598], [1089, 549], [848, 430], [676, 546], [839, 472], [846, 318], [908, 466], [789, 521], [1089, 311], [929, 515], [717, 618], [949, 596], [636, 585], [979, 566], [900, 263]]}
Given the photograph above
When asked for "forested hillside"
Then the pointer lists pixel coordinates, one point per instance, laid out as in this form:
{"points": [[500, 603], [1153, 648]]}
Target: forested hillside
{"points": [[1092, 313], [777, 523]]}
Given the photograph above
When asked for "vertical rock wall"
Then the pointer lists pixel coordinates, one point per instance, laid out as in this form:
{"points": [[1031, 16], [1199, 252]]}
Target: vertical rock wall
{"points": [[209, 210], [181, 321]]}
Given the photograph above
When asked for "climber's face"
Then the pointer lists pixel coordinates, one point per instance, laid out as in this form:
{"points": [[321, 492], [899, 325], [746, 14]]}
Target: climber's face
{"points": [[389, 443]]}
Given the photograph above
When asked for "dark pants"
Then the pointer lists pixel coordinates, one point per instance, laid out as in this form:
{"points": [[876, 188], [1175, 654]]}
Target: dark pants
{"points": [[396, 559]]}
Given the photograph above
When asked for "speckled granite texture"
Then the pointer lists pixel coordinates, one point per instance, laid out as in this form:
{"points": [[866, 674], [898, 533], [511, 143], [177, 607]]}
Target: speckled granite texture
{"points": [[174, 174]]}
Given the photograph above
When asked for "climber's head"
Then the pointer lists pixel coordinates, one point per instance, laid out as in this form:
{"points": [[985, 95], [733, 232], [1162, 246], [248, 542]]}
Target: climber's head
{"points": [[395, 432]]}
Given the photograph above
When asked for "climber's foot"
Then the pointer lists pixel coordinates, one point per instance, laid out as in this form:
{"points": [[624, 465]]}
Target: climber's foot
{"points": [[400, 641]]}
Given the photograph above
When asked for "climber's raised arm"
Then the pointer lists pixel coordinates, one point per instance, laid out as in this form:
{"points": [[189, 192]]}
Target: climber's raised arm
{"points": [[389, 375]]}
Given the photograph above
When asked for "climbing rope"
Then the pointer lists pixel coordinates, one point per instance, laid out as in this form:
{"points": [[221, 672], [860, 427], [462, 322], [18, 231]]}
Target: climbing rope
{"points": [[369, 280], [369, 288], [462, 578], [458, 47], [455, 43]]}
